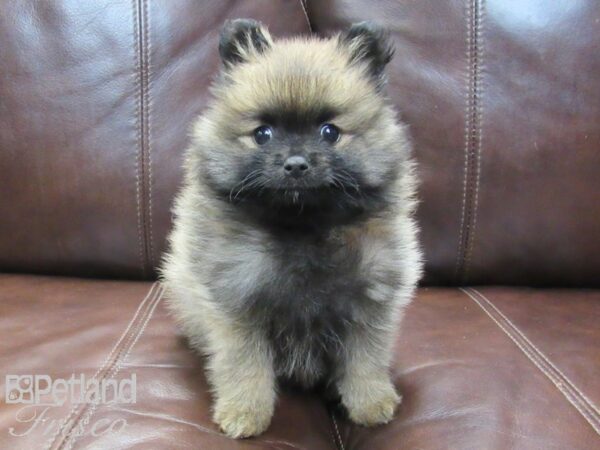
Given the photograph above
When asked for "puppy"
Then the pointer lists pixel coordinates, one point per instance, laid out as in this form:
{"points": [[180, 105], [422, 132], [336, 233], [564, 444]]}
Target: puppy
{"points": [[294, 249]]}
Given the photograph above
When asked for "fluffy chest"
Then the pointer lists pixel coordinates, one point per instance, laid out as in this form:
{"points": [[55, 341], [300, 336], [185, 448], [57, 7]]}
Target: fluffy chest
{"points": [[313, 294], [311, 278], [306, 294]]}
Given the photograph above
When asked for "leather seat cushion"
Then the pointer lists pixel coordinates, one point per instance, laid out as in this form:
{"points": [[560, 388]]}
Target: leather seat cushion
{"points": [[491, 368]]}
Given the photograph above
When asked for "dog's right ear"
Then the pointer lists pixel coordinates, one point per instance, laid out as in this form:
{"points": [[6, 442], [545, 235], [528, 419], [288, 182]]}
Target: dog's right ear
{"points": [[369, 44], [241, 39]]}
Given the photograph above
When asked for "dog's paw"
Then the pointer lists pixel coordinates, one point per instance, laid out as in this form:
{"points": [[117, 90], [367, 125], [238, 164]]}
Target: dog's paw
{"points": [[371, 407], [240, 421]]}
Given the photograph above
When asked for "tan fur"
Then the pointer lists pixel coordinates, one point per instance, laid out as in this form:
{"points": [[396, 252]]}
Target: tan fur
{"points": [[289, 75], [300, 74]]}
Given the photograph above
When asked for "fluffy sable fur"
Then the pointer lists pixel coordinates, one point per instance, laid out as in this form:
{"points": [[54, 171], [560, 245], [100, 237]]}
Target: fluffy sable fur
{"points": [[297, 280]]}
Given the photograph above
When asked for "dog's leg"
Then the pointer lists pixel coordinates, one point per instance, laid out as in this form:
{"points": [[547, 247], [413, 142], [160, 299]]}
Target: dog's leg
{"points": [[241, 375], [365, 387]]}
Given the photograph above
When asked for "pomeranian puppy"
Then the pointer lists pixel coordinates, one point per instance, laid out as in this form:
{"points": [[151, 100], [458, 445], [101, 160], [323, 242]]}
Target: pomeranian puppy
{"points": [[294, 250]]}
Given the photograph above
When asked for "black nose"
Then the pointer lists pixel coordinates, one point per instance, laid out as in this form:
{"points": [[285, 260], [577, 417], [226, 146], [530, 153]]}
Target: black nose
{"points": [[295, 166]]}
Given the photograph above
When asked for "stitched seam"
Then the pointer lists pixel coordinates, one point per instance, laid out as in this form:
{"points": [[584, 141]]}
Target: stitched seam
{"points": [[138, 133], [141, 41], [82, 418], [472, 148], [85, 417], [466, 149], [562, 383], [68, 434], [147, 111], [103, 366], [337, 437], [478, 114], [541, 354], [305, 11]]}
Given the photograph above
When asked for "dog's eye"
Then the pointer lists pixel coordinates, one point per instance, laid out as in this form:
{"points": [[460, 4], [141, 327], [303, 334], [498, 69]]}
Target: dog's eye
{"points": [[263, 134], [330, 133]]}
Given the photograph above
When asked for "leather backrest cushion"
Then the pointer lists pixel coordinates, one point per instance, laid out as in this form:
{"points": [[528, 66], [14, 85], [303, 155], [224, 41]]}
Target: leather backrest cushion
{"points": [[502, 99], [96, 102]]}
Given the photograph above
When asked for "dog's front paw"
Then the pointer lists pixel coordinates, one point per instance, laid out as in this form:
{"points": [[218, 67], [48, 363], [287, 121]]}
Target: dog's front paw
{"points": [[372, 405], [241, 420]]}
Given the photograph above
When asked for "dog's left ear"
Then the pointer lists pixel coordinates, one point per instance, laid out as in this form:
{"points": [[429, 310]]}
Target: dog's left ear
{"points": [[240, 39], [369, 44]]}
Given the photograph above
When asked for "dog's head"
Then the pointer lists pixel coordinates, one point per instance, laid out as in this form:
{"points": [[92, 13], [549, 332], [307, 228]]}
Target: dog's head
{"points": [[300, 123]]}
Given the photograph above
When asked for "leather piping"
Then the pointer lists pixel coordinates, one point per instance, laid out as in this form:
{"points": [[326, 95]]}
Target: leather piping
{"points": [[138, 158], [473, 139], [578, 399], [110, 366], [306, 16], [142, 116], [84, 419], [337, 437]]}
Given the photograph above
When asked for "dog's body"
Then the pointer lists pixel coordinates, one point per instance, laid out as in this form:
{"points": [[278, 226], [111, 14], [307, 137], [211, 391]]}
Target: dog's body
{"points": [[293, 254]]}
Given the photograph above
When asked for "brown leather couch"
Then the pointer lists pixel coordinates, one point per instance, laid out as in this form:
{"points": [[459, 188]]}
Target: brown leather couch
{"points": [[500, 349]]}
